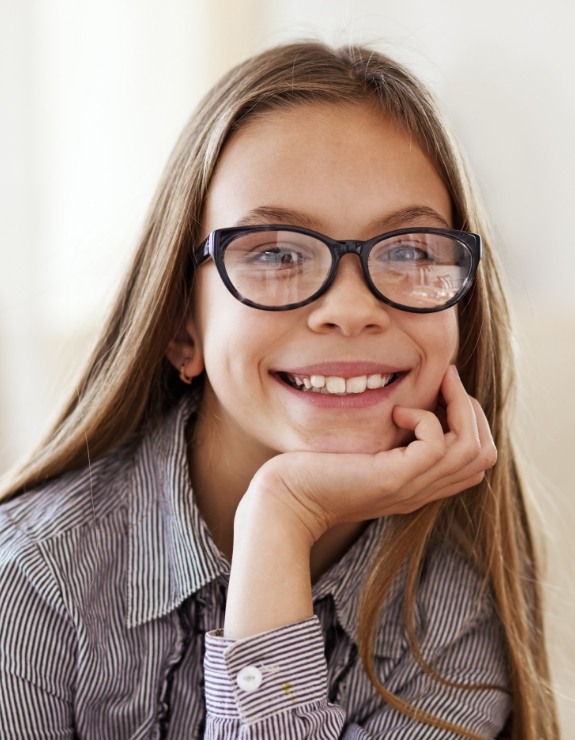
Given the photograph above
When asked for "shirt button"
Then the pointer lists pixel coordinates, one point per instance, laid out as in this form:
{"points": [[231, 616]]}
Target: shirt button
{"points": [[249, 678]]}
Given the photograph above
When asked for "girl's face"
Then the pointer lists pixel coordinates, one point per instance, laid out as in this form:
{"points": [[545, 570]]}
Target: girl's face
{"points": [[347, 172]]}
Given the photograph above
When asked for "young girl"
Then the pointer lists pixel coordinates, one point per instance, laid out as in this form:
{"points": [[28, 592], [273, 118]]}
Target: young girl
{"points": [[272, 507]]}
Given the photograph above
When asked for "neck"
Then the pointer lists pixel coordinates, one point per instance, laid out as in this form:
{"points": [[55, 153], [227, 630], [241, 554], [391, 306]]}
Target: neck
{"points": [[221, 469]]}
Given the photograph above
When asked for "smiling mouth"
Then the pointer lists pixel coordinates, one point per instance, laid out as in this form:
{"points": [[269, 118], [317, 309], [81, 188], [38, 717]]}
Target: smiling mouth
{"points": [[335, 385]]}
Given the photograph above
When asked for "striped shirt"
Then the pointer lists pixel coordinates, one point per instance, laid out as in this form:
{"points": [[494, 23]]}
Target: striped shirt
{"points": [[113, 592]]}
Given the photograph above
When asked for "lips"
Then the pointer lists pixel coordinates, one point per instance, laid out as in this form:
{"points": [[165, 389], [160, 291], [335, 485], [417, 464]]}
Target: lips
{"points": [[338, 385]]}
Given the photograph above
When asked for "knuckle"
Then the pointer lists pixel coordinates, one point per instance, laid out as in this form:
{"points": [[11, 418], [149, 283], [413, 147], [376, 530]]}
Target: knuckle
{"points": [[436, 449], [390, 483], [470, 450], [490, 455], [476, 479], [409, 505]]}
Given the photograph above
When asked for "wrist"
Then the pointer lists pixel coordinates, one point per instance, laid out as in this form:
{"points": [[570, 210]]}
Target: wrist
{"points": [[270, 578], [269, 500]]}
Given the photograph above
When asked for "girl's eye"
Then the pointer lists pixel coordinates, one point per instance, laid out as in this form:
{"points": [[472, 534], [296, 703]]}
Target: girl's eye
{"points": [[276, 256], [406, 253]]}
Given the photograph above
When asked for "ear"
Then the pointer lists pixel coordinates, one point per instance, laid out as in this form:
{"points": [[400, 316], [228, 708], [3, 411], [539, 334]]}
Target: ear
{"points": [[185, 352]]}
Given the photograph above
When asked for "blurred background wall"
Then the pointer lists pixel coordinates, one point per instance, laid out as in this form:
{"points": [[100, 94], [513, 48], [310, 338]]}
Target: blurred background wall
{"points": [[93, 96]]}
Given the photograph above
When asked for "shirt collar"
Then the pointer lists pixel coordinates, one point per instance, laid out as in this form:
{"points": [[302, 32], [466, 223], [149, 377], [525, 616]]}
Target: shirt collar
{"points": [[171, 552]]}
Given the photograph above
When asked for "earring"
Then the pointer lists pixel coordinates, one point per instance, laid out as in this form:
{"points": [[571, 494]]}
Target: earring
{"points": [[183, 377]]}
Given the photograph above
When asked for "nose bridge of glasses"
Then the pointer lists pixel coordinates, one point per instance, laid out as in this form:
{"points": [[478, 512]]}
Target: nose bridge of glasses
{"points": [[348, 246]]}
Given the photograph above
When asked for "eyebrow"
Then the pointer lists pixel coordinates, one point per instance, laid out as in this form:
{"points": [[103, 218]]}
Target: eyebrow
{"points": [[274, 215], [421, 215], [411, 216]]}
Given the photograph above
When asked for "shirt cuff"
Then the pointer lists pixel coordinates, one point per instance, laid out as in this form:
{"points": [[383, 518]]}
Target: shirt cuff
{"points": [[256, 677]]}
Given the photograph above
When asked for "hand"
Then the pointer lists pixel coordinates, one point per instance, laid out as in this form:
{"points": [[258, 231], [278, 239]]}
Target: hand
{"points": [[318, 490], [296, 497]]}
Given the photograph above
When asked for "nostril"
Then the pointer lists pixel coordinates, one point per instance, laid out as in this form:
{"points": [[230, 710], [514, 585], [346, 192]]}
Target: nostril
{"points": [[348, 310]]}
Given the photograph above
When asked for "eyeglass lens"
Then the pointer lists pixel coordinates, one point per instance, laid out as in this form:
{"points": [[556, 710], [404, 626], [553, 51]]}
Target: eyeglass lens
{"points": [[279, 268]]}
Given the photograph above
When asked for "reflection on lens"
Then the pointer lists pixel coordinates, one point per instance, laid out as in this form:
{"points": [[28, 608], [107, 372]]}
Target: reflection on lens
{"points": [[277, 268], [420, 270]]}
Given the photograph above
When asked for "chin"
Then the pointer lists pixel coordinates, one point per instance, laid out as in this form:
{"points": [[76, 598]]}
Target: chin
{"points": [[354, 444]]}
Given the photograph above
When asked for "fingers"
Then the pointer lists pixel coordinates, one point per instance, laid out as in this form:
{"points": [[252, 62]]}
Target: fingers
{"points": [[459, 411], [468, 429], [444, 458], [485, 437], [465, 440]]}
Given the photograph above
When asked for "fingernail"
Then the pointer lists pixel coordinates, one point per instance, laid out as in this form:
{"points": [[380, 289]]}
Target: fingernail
{"points": [[454, 371]]}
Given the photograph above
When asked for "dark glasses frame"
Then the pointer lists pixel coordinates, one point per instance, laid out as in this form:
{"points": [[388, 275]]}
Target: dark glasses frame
{"points": [[216, 243]]}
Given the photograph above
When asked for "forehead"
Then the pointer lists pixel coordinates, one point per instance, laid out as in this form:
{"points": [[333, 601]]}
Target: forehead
{"points": [[340, 167]]}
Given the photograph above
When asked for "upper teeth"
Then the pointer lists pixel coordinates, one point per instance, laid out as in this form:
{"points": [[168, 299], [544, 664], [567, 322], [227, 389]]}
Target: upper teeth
{"points": [[338, 386]]}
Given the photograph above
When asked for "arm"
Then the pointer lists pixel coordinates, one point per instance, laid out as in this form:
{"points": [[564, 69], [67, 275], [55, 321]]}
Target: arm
{"points": [[36, 653], [296, 497], [460, 636]]}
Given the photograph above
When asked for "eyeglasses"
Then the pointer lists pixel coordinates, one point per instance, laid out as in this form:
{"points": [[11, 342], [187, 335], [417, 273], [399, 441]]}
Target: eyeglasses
{"points": [[278, 268]]}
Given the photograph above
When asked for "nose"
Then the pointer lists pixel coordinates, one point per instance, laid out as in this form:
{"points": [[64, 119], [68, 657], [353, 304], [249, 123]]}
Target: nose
{"points": [[348, 306]]}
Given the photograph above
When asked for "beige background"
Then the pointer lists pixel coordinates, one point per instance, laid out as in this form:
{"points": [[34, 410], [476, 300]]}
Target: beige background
{"points": [[93, 96]]}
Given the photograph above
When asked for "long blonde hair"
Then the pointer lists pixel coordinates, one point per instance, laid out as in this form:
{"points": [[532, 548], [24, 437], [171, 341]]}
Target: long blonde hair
{"points": [[128, 382]]}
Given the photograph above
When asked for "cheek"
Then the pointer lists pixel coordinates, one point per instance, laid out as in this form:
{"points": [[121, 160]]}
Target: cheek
{"points": [[439, 337], [436, 335], [215, 311], [235, 338], [452, 331], [438, 341]]}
